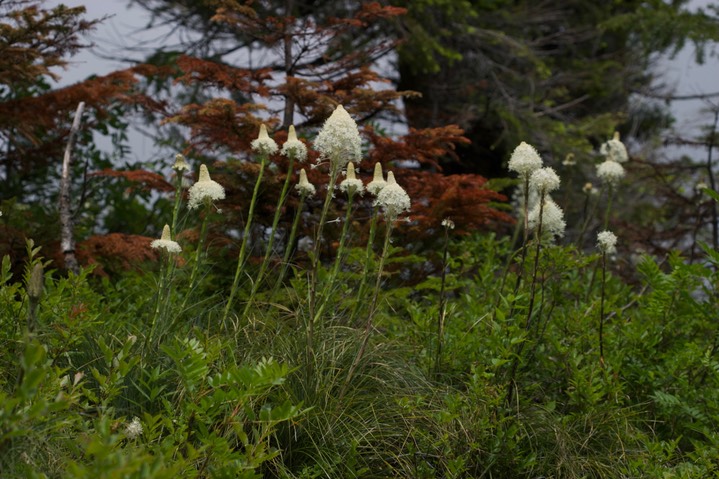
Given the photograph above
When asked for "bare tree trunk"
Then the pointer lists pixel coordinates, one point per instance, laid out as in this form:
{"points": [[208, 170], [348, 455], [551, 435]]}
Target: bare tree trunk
{"points": [[289, 102], [67, 240], [712, 182]]}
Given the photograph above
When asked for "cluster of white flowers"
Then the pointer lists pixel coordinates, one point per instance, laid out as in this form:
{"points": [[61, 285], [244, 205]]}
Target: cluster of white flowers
{"points": [[180, 163], [339, 140], [544, 180], [165, 242], [610, 173], [294, 148], [304, 187], [351, 184], [589, 189], [134, 429], [205, 190], [607, 242], [448, 223], [552, 218], [393, 199], [524, 160], [378, 182], [263, 144], [614, 149]]}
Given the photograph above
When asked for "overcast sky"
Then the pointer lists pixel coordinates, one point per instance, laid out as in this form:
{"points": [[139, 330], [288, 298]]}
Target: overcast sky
{"points": [[123, 28]]}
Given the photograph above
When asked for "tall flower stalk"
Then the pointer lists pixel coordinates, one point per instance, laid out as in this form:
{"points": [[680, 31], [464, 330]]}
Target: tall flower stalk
{"points": [[293, 149], [373, 187], [352, 186], [263, 146], [306, 190], [394, 201], [338, 142], [202, 194], [448, 224], [607, 244], [168, 248]]}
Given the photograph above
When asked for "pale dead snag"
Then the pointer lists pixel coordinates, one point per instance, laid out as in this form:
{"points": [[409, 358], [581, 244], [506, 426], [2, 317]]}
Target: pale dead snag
{"points": [[67, 240]]}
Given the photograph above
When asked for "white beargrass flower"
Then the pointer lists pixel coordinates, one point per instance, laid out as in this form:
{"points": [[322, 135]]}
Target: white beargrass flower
{"points": [[614, 149], [263, 144], [294, 148], [339, 140], [205, 190], [544, 180], [610, 172], [393, 199], [378, 182], [448, 223], [589, 189], [351, 184], [607, 242], [180, 163], [552, 218], [524, 160], [165, 242], [304, 186], [569, 160], [134, 429]]}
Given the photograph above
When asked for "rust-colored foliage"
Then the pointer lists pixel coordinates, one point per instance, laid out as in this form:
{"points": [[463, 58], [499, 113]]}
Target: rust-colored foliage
{"points": [[115, 252], [147, 179]]}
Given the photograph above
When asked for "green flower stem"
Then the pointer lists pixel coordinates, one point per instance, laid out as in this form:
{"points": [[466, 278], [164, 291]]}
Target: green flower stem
{"points": [[367, 264], [198, 255], [372, 310], [334, 171], [601, 310], [245, 238], [442, 305], [178, 200], [610, 197], [164, 267], [270, 243], [338, 258], [288, 247]]}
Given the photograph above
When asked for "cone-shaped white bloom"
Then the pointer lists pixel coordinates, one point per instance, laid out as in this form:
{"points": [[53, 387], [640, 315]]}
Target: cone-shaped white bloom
{"points": [[263, 144], [205, 190], [393, 199], [448, 223], [294, 148], [351, 184], [378, 182], [607, 242], [524, 160], [304, 186], [544, 180], [339, 140], [180, 163], [610, 172], [552, 218], [165, 242], [614, 149]]}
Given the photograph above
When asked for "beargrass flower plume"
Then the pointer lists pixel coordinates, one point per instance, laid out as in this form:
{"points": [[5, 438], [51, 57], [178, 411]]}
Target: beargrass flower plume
{"points": [[165, 242], [544, 180], [294, 148], [351, 184], [304, 187], [205, 190], [552, 218], [378, 182], [610, 173], [263, 144], [589, 189], [569, 160], [607, 242], [614, 149], [180, 163], [524, 160], [134, 429], [393, 199], [339, 140]]}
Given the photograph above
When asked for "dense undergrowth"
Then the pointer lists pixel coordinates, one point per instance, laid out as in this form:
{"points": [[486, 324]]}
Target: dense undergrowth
{"points": [[500, 363]]}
